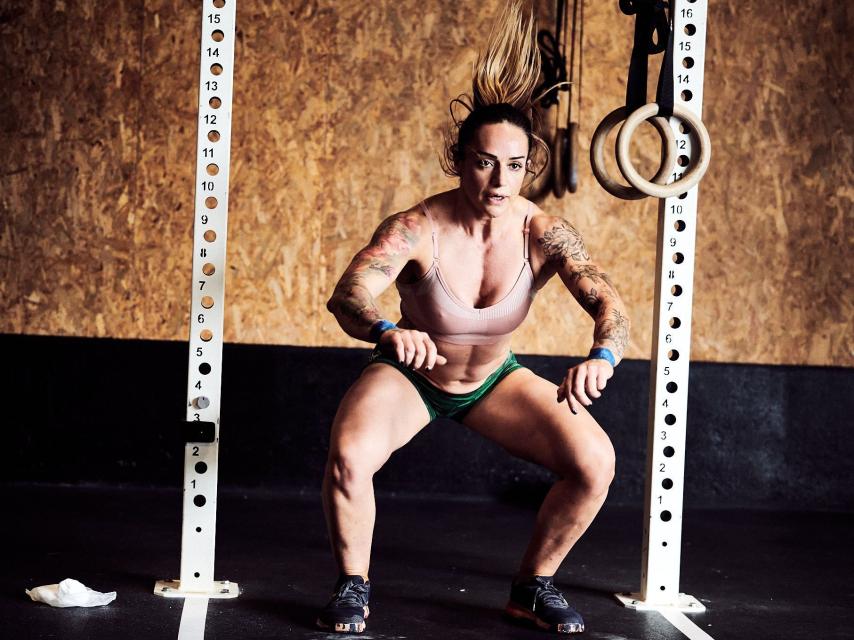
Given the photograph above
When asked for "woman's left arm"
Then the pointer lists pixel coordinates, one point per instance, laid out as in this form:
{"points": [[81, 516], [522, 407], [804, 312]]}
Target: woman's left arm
{"points": [[563, 250]]}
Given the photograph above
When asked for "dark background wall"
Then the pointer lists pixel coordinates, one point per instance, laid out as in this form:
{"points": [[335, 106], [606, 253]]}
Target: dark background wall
{"points": [[107, 411]]}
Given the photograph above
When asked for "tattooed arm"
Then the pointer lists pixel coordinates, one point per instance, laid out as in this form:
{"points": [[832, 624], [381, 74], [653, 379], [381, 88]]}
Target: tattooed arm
{"points": [[565, 253], [371, 271]]}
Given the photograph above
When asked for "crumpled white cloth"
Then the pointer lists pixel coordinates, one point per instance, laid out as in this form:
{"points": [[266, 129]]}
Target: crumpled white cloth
{"points": [[70, 593]]}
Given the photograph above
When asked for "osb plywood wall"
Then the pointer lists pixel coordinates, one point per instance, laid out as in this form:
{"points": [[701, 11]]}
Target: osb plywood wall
{"points": [[338, 114]]}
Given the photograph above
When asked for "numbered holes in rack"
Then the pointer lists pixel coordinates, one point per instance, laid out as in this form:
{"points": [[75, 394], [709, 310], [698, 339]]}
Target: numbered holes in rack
{"points": [[676, 290], [672, 387], [212, 169], [211, 202], [679, 225], [215, 103], [204, 368], [666, 517], [670, 419], [682, 161], [200, 467], [686, 95], [218, 36], [219, 4], [672, 355], [207, 302], [199, 500], [210, 235], [690, 29], [667, 483], [678, 258], [688, 62], [213, 135], [216, 69], [208, 269], [206, 335], [669, 452], [675, 323]]}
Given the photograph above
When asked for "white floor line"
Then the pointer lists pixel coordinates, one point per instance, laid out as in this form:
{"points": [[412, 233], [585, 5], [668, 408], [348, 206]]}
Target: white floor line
{"points": [[193, 618], [685, 625]]}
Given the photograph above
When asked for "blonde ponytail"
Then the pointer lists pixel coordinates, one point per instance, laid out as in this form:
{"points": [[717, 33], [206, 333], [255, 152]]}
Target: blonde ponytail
{"points": [[504, 78], [508, 70]]}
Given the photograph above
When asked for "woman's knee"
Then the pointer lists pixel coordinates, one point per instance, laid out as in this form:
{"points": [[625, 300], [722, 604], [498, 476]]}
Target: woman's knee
{"points": [[592, 470], [351, 465]]}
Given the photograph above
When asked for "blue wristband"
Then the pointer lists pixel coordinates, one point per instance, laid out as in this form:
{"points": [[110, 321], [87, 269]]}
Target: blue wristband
{"points": [[601, 353], [379, 328]]}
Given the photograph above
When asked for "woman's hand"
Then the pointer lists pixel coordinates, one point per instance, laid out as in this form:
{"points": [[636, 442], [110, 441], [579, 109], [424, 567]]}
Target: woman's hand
{"points": [[413, 348], [584, 381]]}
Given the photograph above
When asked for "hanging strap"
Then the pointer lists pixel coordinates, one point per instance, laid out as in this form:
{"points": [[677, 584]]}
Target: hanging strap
{"points": [[553, 62], [652, 35], [664, 94]]}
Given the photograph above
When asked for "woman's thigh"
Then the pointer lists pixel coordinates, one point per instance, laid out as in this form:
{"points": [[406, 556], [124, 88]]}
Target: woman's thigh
{"points": [[380, 413], [522, 415]]}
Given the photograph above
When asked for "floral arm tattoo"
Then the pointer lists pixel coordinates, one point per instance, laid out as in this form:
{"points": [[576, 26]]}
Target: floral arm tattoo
{"points": [[564, 249], [372, 270]]}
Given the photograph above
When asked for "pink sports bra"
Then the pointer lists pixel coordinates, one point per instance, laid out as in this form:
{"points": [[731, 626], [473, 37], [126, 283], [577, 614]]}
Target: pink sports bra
{"points": [[429, 304]]}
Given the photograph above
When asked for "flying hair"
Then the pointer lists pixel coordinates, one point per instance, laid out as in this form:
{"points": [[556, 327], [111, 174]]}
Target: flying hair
{"points": [[508, 70], [504, 78]]}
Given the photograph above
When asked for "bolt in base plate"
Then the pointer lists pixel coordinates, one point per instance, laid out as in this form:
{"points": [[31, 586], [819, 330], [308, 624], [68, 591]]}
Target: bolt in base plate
{"points": [[685, 604], [219, 589]]}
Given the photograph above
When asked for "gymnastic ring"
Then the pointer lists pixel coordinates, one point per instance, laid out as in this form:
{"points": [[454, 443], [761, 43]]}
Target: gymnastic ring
{"points": [[690, 178], [572, 157], [597, 155], [559, 163]]}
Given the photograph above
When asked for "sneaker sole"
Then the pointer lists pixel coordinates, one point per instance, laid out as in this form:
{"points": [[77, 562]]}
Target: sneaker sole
{"points": [[519, 614], [345, 627]]}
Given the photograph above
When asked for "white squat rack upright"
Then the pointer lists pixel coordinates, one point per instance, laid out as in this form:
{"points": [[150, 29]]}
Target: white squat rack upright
{"points": [[201, 429], [671, 348]]}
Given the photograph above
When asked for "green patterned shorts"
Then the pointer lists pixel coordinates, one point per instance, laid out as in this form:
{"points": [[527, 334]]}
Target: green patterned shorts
{"points": [[442, 403]]}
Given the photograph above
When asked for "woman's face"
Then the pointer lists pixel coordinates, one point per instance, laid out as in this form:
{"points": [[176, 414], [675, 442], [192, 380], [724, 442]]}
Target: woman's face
{"points": [[493, 167]]}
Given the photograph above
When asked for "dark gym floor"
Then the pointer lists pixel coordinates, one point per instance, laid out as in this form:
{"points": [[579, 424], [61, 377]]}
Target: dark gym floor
{"points": [[441, 567]]}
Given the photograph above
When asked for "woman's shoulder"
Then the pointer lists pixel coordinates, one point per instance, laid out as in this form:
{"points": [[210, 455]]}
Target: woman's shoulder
{"points": [[409, 228], [437, 204], [540, 222], [537, 218], [413, 218]]}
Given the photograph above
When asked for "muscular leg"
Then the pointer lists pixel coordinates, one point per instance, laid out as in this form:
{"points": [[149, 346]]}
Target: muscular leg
{"points": [[380, 413], [522, 415]]}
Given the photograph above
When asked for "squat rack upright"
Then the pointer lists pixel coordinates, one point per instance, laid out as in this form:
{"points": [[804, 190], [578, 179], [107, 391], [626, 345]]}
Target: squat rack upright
{"points": [[201, 428]]}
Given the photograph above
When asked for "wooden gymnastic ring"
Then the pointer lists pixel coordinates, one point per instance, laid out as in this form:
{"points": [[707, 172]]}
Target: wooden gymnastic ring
{"points": [[597, 155], [572, 158], [690, 178], [559, 163]]}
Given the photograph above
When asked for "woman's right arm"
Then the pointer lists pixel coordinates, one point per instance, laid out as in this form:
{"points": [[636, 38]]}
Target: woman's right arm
{"points": [[372, 270]]}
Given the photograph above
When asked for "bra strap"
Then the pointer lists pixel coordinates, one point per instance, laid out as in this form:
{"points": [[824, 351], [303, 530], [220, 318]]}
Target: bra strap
{"points": [[527, 230], [426, 211]]}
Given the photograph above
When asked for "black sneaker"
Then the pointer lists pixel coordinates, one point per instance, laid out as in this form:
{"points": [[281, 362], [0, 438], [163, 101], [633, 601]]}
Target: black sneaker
{"points": [[536, 600], [348, 608]]}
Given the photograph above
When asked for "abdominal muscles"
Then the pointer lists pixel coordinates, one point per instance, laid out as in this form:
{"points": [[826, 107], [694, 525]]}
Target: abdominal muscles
{"points": [[468, 365]]}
